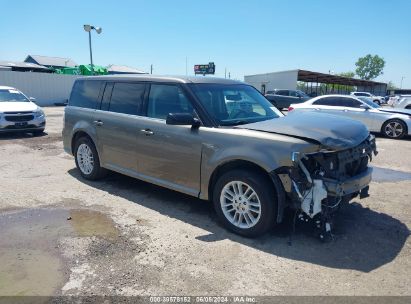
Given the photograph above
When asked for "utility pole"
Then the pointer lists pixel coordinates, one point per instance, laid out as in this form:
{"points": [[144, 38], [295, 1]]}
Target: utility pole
{"points": [[91, 53], [151, 69], [229, 75], [88, 28], [402, 78]]}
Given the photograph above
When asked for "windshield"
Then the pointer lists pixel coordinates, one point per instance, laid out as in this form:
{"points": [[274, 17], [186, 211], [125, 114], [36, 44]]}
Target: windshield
{"points": [[369, 102], [232, 105], [11, 95]]}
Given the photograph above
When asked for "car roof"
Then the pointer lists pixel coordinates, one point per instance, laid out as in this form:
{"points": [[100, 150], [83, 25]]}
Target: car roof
{"points": [[334, 95], [7, 88], [154, 78], [310, 101]]}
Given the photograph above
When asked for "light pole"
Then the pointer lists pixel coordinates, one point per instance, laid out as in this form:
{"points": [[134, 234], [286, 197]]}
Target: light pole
{"points": [[402, 78], [88, 29]]}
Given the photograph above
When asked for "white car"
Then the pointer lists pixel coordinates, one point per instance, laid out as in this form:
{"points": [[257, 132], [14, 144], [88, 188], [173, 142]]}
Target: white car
{"points": [[18, 113], [377, 99], [404, 102], [391, 122]]}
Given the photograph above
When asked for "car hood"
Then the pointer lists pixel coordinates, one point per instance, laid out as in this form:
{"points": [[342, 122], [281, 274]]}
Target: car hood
{"points": [[396, 110], [17, 106], [330, 131]]}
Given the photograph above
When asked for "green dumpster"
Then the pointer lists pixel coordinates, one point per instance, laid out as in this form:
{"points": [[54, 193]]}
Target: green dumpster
{"points": [[98, 70]]}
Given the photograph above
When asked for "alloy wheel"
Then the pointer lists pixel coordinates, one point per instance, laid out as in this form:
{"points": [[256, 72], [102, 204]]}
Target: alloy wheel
{"points": [[85, 159], [394, 129], [240, 204]]}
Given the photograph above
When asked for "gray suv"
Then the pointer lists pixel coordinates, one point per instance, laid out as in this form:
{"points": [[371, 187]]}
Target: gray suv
{"points": [[219, 140], [282, 99]]}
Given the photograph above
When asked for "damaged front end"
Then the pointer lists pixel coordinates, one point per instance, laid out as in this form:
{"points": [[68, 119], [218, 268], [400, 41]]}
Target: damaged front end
{"points": [[319, 183]]}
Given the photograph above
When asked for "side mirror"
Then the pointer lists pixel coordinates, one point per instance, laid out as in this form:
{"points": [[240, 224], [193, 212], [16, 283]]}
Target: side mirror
{"points": [[32, 99], [365, 107], [182, 119]]}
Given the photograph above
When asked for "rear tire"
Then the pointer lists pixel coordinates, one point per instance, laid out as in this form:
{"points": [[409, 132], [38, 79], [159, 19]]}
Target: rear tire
{"points": [[394, 128], [245, 202], [87, 159]]}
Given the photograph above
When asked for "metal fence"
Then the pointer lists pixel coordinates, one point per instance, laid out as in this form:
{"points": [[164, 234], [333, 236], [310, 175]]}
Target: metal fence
{"points": [[48, 89]]}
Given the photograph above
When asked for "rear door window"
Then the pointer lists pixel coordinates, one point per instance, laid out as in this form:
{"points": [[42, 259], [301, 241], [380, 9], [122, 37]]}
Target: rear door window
{"points": [[86, 94], [328, 101], [127, 98]]}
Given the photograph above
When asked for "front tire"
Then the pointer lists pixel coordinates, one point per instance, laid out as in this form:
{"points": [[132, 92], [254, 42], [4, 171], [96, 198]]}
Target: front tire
{"points": [[38, 132], [87, 160], [394, 128], [245, 202]]}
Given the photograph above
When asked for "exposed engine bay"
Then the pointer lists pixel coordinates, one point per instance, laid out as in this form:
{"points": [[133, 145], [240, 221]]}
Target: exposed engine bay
{"points": [[320, 183]]}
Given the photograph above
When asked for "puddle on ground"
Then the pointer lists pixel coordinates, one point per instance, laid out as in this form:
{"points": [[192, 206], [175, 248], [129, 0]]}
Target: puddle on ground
{"points": [[388, 175], [30, 260]]}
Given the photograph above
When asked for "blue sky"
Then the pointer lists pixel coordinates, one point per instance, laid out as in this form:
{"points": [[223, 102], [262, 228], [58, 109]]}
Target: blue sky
{"points": [[246, 37]]}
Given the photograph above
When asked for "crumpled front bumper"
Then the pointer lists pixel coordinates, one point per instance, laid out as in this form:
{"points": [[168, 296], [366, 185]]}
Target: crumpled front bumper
{"points": [[350, 185]]}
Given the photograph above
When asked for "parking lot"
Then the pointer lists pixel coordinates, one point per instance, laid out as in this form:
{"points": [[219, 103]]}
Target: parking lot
{"points": [[63, 235]]}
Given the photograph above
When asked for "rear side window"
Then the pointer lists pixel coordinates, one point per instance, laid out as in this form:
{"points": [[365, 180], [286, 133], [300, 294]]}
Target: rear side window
{"points": [[85, 94], [127, 98]]}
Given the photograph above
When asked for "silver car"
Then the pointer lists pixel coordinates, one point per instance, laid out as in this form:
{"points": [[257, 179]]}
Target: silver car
{"points": [[393, 123], [403, 102], [19, 113], [219, 140]]}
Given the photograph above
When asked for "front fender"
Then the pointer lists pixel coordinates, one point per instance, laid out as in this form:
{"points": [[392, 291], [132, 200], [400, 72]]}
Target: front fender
{"points": [[267, 155]]}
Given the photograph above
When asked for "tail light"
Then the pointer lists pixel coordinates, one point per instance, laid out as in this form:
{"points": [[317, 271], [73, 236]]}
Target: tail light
{"points": [[290, 109]]}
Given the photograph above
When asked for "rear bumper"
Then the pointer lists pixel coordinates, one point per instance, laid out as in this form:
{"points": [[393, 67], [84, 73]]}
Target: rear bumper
{"points": [[348, 186]]}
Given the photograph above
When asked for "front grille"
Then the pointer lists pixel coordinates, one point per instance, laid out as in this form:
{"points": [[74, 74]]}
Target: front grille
{"points": [[13, 127], [18, 118], [19, 112]]}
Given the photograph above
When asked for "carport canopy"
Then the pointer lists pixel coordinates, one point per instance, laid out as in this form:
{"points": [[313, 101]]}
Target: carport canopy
{"points": [[361, 84]]}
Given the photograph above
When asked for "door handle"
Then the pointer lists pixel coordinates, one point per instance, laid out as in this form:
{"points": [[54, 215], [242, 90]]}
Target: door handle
{"points": [[98, 123], [147, 132]]}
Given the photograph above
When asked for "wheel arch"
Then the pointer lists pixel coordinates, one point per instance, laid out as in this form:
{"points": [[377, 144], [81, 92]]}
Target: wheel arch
{"points": [[83, 133], [271, 177], [78, 134]]}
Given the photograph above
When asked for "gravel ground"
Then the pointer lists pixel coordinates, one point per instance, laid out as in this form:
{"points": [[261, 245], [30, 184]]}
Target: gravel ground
{"points": [[121, 236]]}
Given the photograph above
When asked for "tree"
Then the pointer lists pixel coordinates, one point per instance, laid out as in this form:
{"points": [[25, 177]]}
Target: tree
{"points": [[369, 67], [347, 74]]}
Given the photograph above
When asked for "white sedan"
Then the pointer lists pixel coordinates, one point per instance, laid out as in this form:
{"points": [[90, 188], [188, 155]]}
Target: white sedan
{"points": [[18, 113], [404, 102], [391, 122]]}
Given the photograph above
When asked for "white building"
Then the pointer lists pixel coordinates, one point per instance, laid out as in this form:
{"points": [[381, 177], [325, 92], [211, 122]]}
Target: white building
{"points": [[313, 81]]}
